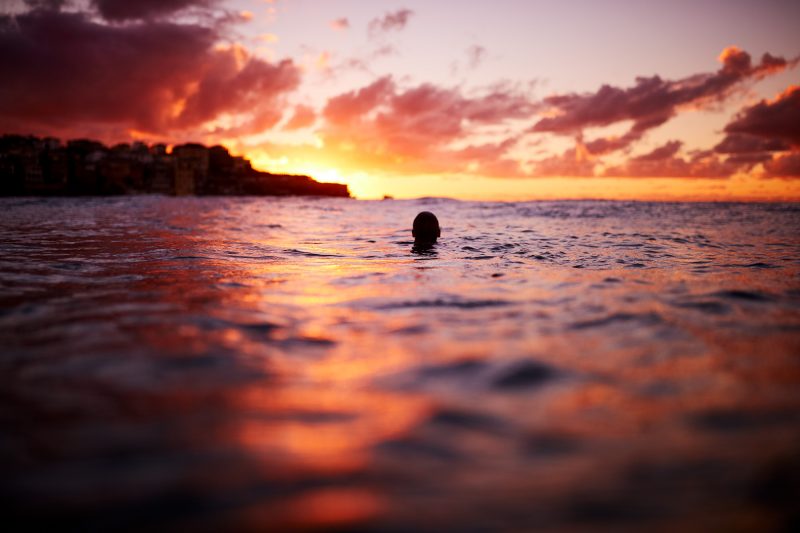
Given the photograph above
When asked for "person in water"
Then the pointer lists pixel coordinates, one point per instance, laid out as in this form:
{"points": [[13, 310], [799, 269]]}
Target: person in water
{"points": [[426, 228]]}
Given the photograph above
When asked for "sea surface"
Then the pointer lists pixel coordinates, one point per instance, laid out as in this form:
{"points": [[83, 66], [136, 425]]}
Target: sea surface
{"points": [[207, 364]]}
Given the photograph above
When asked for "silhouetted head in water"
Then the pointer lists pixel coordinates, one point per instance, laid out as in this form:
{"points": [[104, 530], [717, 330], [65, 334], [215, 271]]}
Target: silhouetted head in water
{"points": [[426, 228]]}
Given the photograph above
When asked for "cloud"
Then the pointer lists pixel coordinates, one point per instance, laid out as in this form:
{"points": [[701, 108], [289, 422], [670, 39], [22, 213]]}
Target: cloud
{"points": [[419, 127], [651, 102], [226, 85], [65, 69], [783, 166], [46, 4], [701, 166], [742, 143], [661, 162], [364, 61], [394, 21], [340, 24], [348, 107], [774, 121], [119, 10], [575, 162], [268, 38], [475, 56], [665, 151], [606, 145], [764, 133], [303, 117]]}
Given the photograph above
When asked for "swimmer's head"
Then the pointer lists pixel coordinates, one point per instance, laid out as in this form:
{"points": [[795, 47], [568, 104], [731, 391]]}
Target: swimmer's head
{"points": [[426, 227]]}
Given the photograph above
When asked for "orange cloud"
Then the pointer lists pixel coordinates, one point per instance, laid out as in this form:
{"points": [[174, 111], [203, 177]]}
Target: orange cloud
{"points": [[784, 166], [419, 128], [303, 117], [703, 165]]}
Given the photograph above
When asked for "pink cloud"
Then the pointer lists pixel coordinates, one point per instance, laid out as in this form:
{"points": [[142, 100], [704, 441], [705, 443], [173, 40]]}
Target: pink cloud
{"points": [[652, 101], [415, 127], [702, 166], [157, 77], [303, 117], [573, 162], [349, 106], [340, 24]]}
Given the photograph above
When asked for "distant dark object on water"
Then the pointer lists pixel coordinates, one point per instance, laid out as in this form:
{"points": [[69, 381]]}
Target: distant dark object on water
{"points": [[426, 228], [388, 197]]}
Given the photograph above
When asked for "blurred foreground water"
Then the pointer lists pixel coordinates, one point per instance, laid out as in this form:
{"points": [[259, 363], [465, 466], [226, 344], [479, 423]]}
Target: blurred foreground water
{"points": [[273, 364]]}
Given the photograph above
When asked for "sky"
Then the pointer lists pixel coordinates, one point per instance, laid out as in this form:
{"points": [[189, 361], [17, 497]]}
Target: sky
{"points": [[507, 100]]}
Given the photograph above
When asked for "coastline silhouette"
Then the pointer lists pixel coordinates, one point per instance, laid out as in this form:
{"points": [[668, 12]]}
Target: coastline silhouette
{"points": [[33, 166]]}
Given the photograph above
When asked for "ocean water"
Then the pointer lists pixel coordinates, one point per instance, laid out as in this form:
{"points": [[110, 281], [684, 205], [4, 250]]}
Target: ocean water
{"points": [[277, 364]]}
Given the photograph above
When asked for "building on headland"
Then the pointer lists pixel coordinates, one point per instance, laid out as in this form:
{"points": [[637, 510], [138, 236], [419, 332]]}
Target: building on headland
{"points": [[191, 168], [83, 156], [44, 167]]}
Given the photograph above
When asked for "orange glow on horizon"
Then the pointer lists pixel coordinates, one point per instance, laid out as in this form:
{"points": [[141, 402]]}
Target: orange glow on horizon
{"points": [[373, 185]]}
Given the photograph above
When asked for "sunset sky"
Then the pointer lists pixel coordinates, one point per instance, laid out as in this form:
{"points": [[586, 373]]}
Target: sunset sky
{"points": [[508, 100]]}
